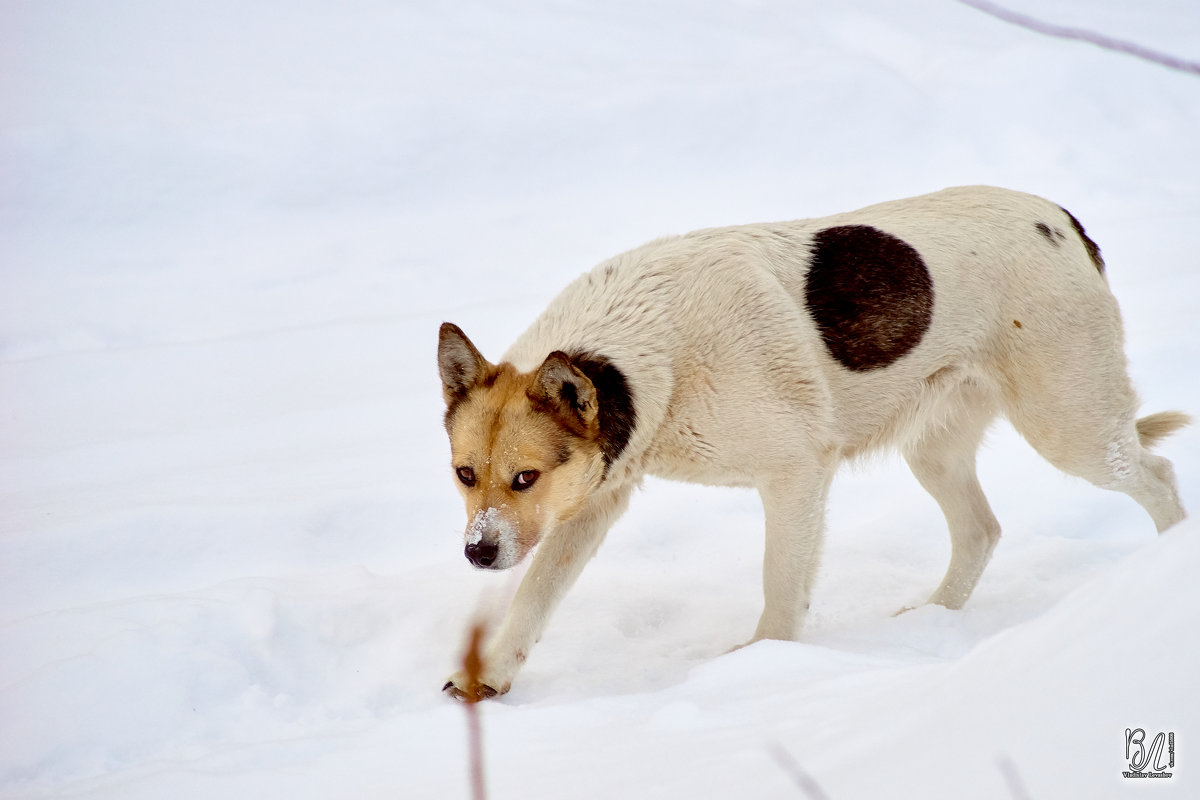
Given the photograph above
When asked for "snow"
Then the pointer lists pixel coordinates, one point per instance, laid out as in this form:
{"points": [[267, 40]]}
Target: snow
{"points": [[231, 548]]}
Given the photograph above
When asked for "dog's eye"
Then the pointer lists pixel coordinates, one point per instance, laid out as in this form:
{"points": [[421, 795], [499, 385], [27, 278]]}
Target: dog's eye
{"points": [[466, 475], [525, 479]]}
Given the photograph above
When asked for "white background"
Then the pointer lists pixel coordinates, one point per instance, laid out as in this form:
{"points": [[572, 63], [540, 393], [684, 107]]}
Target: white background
{"points": [[230, 547]]}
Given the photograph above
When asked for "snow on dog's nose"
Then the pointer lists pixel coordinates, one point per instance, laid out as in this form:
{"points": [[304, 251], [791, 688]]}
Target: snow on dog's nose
{"points": [[489, 538]]}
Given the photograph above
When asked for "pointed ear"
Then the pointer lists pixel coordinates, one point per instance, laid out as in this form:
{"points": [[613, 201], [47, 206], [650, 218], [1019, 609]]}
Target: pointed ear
{"points": [[569, 393], [459, 362]]}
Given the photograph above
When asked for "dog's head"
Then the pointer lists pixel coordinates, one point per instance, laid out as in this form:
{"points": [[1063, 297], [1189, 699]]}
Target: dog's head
{"points": [[526, 447]]}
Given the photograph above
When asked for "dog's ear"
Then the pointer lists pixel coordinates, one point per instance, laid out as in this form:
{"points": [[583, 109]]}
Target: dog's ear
{"points": [[568, 392], [459, 362]]}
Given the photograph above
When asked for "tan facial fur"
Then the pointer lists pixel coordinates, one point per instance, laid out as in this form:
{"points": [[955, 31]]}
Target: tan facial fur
{"points": [[503, 430]]}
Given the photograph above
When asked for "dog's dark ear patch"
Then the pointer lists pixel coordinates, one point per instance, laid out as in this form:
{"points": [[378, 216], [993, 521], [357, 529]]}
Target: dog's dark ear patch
{"points": [[614, 398], [1093, 250], [461, 366], [870, 295]]}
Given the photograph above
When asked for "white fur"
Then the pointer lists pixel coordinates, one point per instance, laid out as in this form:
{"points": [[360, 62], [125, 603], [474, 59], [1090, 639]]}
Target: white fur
{"points": [[733, 385]]}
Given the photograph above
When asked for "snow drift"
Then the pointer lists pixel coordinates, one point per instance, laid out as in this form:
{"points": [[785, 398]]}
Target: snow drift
{"points": [[230, 559]]}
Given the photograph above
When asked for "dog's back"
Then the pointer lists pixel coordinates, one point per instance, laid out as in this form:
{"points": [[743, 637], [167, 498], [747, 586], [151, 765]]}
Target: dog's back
{"points": [[854, 327]]}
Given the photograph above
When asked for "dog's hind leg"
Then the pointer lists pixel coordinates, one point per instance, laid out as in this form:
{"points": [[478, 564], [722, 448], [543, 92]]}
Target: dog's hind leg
{"points": [[1157, 492], [795, 521], [1069, 395], [1111, 451], [943, 461]]}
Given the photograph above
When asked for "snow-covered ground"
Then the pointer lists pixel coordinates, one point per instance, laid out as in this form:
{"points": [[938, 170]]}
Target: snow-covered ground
{"points": [[230, 553]]}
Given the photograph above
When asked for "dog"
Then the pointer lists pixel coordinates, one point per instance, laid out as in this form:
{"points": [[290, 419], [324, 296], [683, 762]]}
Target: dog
{"points": [[766, 355]]}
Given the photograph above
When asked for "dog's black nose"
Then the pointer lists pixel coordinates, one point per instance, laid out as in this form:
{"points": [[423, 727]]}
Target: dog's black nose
{"points": [[482, 554]]}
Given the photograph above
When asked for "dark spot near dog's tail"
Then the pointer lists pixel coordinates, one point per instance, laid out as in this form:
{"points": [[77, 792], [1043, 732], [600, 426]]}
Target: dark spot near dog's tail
{"points": [[1052, 235], [1093, 250]]}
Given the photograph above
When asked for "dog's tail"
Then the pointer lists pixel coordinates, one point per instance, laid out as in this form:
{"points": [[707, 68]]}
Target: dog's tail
{"points": [[1156, 427]]}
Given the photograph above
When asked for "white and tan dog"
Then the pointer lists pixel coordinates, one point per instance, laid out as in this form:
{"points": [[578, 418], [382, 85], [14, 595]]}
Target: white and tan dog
{"points": [[766, 355]]}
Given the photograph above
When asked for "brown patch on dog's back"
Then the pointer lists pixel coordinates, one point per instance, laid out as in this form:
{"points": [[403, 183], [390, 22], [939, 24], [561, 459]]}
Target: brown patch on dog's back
{"points": [[870, 295], [1093, 250]]}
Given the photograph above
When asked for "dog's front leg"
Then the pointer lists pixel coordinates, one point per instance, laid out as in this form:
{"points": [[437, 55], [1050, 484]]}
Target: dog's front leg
{"points": [[795, 515], [557, 563]]}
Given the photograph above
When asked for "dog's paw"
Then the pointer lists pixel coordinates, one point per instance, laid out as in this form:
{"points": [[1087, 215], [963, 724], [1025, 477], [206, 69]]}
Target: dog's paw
{"points": [[460, 687]]}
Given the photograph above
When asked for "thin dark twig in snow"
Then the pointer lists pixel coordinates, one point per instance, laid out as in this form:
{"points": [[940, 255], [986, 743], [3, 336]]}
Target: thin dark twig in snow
{"points": [[475, 740], [1083, 35], [1013, 778], [802, 779]]}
